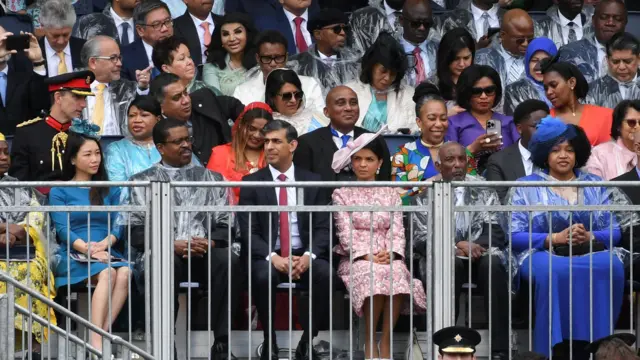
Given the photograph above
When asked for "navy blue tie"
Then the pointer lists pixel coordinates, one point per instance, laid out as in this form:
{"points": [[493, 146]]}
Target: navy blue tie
{"points": [[344, 138], [125, 34], [3, 88]]}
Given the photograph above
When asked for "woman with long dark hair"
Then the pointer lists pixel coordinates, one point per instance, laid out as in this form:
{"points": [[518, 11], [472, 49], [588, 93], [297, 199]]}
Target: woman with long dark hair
{"points": [[456, 52], [231, 53], [86, 253]]}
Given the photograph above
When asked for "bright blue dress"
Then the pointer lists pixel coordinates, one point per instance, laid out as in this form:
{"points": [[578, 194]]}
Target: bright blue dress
{"points": [[604, 265], [69, 271]]}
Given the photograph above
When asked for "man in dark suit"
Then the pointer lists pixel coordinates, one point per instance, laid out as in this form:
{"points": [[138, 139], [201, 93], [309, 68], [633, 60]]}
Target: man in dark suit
{"points": [[276, 243], [514, 162], [60, 50], [195, 26], [289, 17], [206, 114], [315, 149], [23, 94], [153, 23], [116, 21]]}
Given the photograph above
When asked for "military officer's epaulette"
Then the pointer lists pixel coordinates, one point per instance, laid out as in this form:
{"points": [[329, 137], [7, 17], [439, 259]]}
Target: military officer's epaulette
{"points": [[29, 122]]}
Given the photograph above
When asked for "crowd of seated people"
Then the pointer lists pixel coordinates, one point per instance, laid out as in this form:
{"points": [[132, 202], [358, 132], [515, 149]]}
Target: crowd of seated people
{"points": [[297, 90]]}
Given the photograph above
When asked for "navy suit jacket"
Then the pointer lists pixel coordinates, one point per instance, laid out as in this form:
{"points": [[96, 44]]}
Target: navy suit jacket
{"points": [[183, 27], [134, 57], [269, 15]]}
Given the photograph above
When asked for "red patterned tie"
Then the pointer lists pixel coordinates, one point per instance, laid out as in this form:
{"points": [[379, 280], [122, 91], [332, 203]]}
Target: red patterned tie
{"points": [[420, 72], [284, 220], [301, 43]]}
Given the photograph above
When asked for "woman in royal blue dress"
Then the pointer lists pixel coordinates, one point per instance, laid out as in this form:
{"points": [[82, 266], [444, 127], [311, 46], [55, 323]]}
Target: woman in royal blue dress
{"points": [[559, 150], [82, 236]]}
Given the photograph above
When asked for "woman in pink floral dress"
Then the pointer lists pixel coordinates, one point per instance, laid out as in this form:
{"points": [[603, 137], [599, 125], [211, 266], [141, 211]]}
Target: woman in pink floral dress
{"points": [[375, 244]]}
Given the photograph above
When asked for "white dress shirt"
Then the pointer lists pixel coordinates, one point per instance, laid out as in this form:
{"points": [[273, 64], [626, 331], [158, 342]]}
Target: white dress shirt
{"points": [[110, 124], [494, 20], [53, 60], [565, 27], [149, 50], [509, 61], [119, 21], [303, 25], [409, 48], [198, 23], [338, 140], [391, 14], [294, 233], [624, 90], [328, 60], [526, 158]]}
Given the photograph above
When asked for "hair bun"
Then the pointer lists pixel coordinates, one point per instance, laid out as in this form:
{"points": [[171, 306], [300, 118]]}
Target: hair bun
{"points": [[425, 89]]}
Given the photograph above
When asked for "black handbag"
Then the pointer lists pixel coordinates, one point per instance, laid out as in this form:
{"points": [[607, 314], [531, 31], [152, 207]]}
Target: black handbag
{"points": [[580, 249]]}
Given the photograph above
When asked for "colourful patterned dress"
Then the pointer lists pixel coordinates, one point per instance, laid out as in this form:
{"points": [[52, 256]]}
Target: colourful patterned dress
{"points": [[355, 233]]}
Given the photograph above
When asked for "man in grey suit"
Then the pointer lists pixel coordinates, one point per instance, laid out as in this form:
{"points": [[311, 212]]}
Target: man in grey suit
{"points": [[515, 162]]}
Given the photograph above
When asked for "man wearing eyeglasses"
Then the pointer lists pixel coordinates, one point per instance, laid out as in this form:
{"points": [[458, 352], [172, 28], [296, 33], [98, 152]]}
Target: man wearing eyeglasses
{"points": [[506, 56], [328, 60], [108, 109], [271, 55], [623, 58], [590, 54], [153, 23], [417, 20]]}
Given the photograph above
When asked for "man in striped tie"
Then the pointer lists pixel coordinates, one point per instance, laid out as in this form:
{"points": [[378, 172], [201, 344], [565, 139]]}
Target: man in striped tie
{"points": [[506, 56]]}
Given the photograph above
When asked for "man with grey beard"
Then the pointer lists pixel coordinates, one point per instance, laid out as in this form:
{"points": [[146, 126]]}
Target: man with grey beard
{"points": [[23, 94]]}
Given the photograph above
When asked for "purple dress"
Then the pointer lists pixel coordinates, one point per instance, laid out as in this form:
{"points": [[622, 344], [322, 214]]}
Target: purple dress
{"points": [[464, 129]]}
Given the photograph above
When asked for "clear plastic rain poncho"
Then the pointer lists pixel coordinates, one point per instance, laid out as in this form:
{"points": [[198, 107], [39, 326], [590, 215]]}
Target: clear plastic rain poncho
{"points": [[94, 24], [36, 220], [469, 226], [342, 70], [551, 27], [462, 17], [584, 55], [494, 57], [367, 23], [606, 91], [603, 224], [122, 94]]}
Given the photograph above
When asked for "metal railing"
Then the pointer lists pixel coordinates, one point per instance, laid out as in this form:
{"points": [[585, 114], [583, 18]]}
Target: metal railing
{"points": [[161, 214]]}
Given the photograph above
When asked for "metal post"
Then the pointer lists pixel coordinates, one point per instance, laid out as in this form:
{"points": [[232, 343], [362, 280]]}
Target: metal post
{"points": [[166, 249], [7, 328], [443, 274]]}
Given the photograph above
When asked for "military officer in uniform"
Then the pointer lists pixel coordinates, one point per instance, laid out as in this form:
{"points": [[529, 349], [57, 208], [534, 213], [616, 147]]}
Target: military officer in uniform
{"points": [[38, 145], [456, 342]]}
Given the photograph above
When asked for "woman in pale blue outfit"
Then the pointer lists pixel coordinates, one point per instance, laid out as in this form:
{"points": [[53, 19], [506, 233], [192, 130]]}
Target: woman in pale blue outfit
{"points": [[283, 94], [129, 156], [87, 251], [231, 53], [560, 150]]}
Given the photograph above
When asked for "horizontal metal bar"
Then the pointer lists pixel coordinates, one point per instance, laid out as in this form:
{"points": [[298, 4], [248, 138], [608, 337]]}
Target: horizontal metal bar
{"points": [[49, 184], [85, 208], [302, 184], [544, 183], [521, 208], [291, 208]]}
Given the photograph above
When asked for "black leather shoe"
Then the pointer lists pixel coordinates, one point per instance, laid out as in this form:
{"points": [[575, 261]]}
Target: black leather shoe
{"points": [[302, 352], [265, 352], [220, 351]]}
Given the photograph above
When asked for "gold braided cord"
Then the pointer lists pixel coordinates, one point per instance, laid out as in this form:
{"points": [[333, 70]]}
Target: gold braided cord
{"points": [[58, 141]]}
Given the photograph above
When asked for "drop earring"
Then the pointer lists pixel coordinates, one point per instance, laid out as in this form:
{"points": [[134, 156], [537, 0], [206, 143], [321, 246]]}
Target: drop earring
{"points": [[378, 171]]}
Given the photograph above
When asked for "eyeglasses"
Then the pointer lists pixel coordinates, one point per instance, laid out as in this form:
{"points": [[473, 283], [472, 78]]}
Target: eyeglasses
{"points": [[337, 29], [113, 58], [290, 95], [632, 122], [158, 24], [178, 142], [415, 24], [521, 40], [489, 90], [280, 59]]}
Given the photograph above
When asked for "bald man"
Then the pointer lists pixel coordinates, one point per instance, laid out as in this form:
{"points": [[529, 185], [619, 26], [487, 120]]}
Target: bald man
{"points": [[315, 149], [417, 21], [507, 54]]}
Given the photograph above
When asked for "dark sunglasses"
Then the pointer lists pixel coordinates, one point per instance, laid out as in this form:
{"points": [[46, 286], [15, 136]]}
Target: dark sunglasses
{"points": [[489, 90], [632, 122], [415, 24], [521, 41], [337, 29], [290, 95], [280, 59]]}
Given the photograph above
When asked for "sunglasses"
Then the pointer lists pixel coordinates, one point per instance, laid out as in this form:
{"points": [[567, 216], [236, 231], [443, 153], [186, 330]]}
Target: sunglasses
{"points": [[522, 40], [280, 59], [415, 24], [632, 122], [291, 95], [337, 29], [489, 90]]}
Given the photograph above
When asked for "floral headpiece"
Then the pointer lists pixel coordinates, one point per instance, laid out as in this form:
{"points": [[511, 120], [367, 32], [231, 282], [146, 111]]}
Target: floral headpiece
{"points": [[85, 128]]}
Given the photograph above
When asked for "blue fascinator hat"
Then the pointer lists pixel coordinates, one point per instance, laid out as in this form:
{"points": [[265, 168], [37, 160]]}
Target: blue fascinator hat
{"points": [[550, 132], [85, 128]]}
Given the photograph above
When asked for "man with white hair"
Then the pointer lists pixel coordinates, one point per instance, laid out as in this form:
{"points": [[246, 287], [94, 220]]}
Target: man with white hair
{"points": [[108, 108], [61, 51], [23, 94]]}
